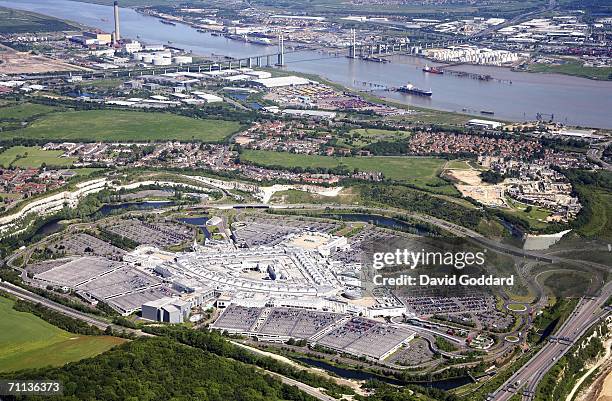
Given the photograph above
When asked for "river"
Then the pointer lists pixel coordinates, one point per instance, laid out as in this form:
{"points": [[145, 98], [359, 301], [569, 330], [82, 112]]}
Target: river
{"points": [[571, 100]]}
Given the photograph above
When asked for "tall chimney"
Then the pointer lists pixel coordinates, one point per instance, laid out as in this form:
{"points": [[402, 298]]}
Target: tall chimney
{"points": [[117, 35]]}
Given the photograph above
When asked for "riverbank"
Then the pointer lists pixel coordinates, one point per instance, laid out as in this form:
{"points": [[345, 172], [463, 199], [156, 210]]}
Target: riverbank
{"points": [[572, 68], [573, 101]]}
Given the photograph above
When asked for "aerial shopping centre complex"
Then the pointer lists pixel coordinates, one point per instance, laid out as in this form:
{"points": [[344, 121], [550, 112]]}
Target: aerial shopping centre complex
{"points": [[292, 288]]}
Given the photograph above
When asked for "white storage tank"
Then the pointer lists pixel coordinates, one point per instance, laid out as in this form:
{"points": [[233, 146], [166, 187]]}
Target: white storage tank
{"points": [[162, 61], [183, 59], [137, 56], [147, 58]]}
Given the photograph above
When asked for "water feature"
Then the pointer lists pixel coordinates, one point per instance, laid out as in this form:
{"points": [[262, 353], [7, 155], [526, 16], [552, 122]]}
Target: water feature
{"points": [[199, 222], [50, 227], [444, 384], [572, 100], [114, 207], [382, 221]]}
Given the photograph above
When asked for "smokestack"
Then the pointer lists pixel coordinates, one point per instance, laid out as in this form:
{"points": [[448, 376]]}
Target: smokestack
{"points": [[117, 36]]}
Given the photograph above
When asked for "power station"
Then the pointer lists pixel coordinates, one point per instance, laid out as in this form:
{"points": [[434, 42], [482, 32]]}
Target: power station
{"points": [[116, 34]]}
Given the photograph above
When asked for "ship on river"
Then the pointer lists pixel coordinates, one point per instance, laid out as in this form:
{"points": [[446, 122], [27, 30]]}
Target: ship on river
{"points": [[413, 90], [432, 70]]}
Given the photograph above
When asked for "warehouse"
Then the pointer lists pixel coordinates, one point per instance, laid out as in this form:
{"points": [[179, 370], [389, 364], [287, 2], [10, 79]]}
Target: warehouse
{"points": [[278, 82], [484, 124]]}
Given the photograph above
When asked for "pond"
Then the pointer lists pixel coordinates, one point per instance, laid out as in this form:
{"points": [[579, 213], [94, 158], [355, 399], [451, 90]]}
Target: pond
{"points": [[445, 384]]}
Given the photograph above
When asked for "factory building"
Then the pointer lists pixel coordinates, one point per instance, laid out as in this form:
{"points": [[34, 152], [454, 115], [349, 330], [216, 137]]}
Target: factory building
{"points": [[484, 124], [167, 310], [281, 81], [174, 309]]}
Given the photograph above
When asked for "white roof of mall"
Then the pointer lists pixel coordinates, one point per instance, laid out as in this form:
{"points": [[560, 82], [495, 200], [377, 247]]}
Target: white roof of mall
{"points": [[282, 81]]}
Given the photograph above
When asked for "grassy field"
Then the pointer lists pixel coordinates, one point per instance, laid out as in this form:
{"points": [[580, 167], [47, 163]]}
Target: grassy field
{"points": [[23, 111], [17, 21], [109, 83], [27, 341], [575, 68], [105, 125], [458, 165], [33, 156], [536, 217], [364, 136], [600, 224], [419, 171]]}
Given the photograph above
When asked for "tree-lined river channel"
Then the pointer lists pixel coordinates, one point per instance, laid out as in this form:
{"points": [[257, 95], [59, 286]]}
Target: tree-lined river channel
{"points": [[511, 95]]}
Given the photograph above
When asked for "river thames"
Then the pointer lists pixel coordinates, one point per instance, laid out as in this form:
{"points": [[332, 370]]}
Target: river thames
{"points": [[515, 96]]}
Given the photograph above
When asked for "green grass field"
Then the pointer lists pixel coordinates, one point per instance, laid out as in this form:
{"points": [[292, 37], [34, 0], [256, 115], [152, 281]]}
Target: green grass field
{"points": [[27, 341], [458, 165], [419, 171], [23, 111], [109, 83], [107, 125], [33, 156], [600, 224], [17, 21], [575, 68], [361, 137], [536, 217]]}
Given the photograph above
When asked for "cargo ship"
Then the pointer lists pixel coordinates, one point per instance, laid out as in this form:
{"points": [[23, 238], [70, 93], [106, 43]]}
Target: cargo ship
{"points": [[163, 21], [489, 112], [260, 41], [432, 70], [376, 59], [413, 90]]}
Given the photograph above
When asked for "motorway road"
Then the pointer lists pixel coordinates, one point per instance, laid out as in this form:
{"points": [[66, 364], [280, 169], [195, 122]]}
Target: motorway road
{"points": [[29, 296], [32, 297], [587, 313]]}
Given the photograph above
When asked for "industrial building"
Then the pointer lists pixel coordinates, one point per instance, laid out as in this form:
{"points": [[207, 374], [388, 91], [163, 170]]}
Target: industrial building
{"points": [[175, 309], [484, 124], [278, 82]]}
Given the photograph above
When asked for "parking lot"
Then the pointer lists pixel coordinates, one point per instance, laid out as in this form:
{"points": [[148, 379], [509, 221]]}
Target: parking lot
{"points": [[297, 323], [263, 230], [365, 337], [415, 353], [237, 318], [159, 234], [85, 244]]}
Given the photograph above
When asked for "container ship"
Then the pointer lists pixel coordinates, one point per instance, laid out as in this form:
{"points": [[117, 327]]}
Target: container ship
{"points": [[413, 90], [260, 41], [432, 70]]}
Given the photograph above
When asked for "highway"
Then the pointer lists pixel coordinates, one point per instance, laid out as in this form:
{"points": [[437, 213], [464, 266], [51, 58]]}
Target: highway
{"points": [[526, 379], [26, 295]]}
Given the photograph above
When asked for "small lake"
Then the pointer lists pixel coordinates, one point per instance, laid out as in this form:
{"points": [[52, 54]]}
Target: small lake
{"points": [[199, 222], [382, 221], [50, 227], [445, 384], [114, 207]]}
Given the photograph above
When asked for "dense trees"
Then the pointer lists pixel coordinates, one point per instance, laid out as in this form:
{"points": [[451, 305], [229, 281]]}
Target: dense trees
{"points": [[160, 369], [419, 202], [491, 177], [215, 343]]}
